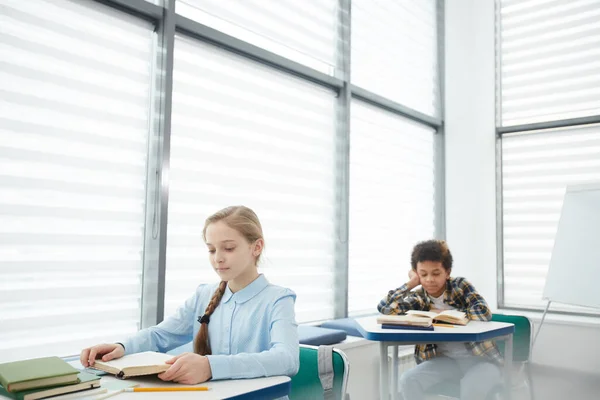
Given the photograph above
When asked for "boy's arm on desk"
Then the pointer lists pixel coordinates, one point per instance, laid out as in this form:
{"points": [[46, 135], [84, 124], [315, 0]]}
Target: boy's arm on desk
{"points": [[400, 300]]}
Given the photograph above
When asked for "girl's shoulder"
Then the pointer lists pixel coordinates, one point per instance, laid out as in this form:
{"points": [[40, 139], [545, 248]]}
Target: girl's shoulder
{"points": [[204, 291], [277, 291]]}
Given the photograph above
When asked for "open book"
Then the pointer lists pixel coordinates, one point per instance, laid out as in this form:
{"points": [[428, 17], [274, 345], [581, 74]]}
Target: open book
{"points": [[146, 363], [454, 317]]}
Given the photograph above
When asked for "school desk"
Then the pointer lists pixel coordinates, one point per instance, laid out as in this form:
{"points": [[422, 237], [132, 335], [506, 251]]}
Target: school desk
{"points": [[474, 331], [237, 389]]}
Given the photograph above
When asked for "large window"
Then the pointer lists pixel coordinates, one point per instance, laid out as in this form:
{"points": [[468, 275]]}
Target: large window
{"points": [[124, 124], [391, 201], [244, 133], [536, 168], [550, 60], [302, 31], [395, 51], [549, 102], [74, 104], [392, 169]]}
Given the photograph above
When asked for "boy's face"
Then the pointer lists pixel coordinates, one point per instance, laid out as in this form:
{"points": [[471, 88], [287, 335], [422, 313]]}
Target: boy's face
{"points": [[433, 277]]}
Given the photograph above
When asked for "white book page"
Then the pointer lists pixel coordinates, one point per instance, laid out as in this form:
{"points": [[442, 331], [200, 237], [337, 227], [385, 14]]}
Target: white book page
{"points": [[429, 314], [146, 358], [454, 313]]}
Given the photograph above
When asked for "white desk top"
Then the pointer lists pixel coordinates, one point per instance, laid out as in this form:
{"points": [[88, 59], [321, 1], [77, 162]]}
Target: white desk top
{"points": [[238, 389], [474, 331]]}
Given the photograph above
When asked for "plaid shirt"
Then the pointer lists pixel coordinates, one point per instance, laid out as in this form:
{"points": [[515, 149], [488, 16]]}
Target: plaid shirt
{"points": [[459, 294]]}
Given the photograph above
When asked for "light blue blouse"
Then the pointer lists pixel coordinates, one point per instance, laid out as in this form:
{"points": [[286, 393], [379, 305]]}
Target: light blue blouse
{"points": [[252, 333]]}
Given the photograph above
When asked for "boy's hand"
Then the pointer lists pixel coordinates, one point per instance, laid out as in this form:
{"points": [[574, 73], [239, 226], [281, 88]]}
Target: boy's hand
{"points": [[414, 280]]}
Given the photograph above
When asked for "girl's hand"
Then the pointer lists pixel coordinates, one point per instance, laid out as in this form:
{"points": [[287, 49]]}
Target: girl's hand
{"points": [[108, 351], [187, 368], [414, 280]]}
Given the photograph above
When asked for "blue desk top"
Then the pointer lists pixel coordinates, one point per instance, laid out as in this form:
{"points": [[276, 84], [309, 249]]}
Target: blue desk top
{"points": [[474, 331], [270, 392]]}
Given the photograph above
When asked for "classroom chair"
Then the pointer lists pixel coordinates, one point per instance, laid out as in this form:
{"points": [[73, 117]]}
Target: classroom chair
{"points": [[522, 340], [323, 374]]}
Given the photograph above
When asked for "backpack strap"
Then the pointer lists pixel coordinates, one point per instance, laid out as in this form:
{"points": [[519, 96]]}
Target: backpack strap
{"points": [[326, 374]]}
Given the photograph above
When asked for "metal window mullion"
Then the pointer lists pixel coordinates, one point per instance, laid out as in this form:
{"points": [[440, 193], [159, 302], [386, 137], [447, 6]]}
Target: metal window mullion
{"points": [[394, 107], [207, 34], [139, 8], [155, 244], [440, 137], [342, 115], [499, 183], [562, 123], [499, 225]]}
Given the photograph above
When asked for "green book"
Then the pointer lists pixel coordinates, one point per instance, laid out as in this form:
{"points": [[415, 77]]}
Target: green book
{"points": [[36, 373], [86, 381]]}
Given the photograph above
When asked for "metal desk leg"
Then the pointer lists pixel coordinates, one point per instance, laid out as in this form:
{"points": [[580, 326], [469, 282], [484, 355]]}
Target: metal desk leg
{"points": [[394, 377], [384, 373], [508, 359]]}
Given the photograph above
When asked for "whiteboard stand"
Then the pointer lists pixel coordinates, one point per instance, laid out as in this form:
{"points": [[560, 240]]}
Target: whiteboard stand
{"points": [[541, 323]]}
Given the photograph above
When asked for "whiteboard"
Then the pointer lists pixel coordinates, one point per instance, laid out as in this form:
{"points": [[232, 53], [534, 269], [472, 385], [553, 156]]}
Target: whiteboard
{"points": [[574, 271]]}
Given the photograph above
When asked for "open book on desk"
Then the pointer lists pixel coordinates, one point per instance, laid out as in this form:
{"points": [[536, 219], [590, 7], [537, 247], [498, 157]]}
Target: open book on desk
{"points": [[138, 364], [453, 317], [423, 319]]}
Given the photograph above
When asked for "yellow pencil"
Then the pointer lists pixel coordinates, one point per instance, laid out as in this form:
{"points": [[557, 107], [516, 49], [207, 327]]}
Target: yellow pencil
{"points": [[168, 389], [443, 325]]}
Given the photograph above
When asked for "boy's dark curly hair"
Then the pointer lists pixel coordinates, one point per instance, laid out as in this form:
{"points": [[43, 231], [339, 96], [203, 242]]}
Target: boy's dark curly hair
{"points": [[432, 250]]}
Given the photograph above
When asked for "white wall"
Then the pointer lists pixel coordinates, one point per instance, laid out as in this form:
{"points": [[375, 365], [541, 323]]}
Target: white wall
{"points": [[470, 178]]}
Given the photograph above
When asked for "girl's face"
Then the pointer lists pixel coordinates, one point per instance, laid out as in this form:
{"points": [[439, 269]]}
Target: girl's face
{"points": [[229, 252], [433, 277]]}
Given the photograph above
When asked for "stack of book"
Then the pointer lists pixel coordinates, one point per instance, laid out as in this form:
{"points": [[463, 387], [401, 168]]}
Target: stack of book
{"points": [[39, 378], [405, 322], [422, 320]]}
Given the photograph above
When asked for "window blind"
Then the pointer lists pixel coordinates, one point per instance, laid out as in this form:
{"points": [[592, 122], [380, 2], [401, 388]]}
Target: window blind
{"points": [[394, 51], [550, 60], [244, 133], [74, 101], [392, 202], [303, 31], [536, 169]]}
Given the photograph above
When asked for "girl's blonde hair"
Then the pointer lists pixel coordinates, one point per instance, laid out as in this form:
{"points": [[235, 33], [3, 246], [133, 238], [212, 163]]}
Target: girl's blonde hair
{"points": [[246, 222]]}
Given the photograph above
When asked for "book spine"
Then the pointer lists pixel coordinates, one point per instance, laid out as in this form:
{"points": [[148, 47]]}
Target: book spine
{"points": [[4, 383]]}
